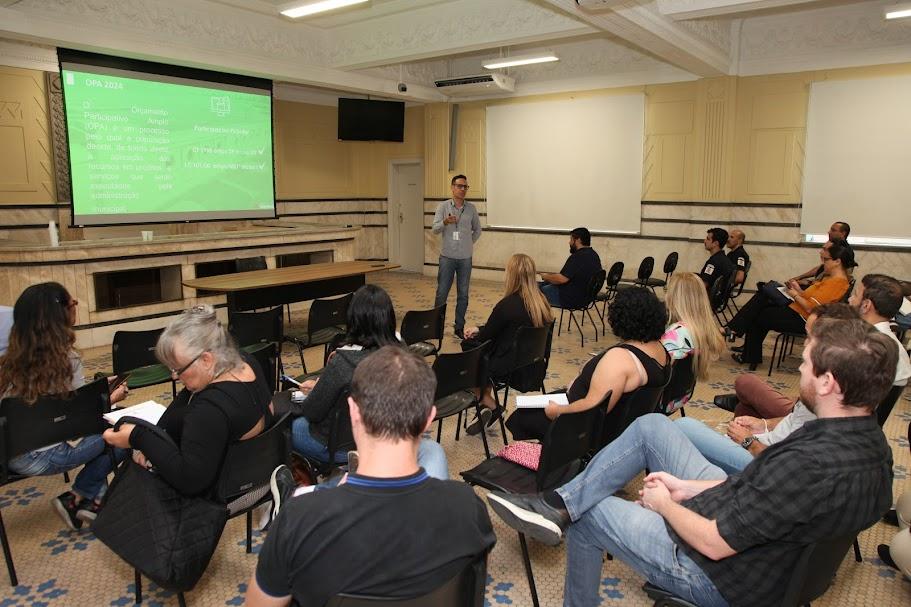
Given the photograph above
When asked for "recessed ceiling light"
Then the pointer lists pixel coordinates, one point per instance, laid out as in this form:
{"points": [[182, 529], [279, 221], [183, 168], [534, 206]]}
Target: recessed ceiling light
{"points": [[897, 11], [302, 9], [545, 57]]}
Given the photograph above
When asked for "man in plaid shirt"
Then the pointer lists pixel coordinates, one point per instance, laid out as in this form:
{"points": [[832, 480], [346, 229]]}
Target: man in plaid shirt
{"points": [[718, 539]]}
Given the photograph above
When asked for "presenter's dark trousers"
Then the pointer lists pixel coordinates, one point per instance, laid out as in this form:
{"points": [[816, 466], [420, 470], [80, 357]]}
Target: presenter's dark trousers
{"points": [[757, 318], [460, 269]]}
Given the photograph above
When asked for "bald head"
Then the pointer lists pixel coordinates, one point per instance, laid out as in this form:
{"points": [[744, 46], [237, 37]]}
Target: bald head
{"points": [[736, 238]]}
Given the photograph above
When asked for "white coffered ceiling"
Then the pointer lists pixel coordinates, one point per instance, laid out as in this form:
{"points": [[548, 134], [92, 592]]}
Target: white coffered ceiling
{"points": [[370, 48]]}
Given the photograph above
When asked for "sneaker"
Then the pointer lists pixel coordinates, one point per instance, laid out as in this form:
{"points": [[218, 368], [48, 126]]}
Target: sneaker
{"points": [[282, 486], [88, 511], [728, 402], [66, 505], [531, 515], [886, 556], [459, 333], [481, 421]]}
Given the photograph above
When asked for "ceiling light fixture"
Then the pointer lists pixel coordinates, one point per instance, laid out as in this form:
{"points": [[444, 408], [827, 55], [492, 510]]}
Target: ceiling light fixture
{"points": [[897, 11], [545, 57], [298, 9]]}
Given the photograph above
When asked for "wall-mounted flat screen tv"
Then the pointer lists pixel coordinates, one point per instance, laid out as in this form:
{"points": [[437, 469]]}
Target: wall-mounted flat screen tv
{"points": [[370, 120]]}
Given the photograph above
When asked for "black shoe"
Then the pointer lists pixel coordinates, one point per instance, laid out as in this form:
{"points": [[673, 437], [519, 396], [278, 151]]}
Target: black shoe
{"points": [[885, 555], [737, 349], [738, 358], [88, 511], [891, 517], [459, 332], [531, 515], [481, 421], [728, 402], [282, 486], [66, 505], [496, 414], [730, 335]]}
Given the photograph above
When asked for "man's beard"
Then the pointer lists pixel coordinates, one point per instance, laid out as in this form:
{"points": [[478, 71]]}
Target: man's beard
{"points": [[808, 400]]}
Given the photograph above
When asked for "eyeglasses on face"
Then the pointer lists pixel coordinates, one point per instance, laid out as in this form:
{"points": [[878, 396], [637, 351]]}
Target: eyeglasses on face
{"points": [[461, 186], [180, 371]]}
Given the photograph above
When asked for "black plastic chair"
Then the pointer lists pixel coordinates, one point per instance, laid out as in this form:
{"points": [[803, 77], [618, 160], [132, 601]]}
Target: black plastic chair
{"points": [[670, 264], [614, 275], [738, 289], [328, 318], [134, 352], [340, 437], [682, 384], [531, 349], [420, 327], [243, 482], [254, 331], [719, 294], [25, 427], [642, 401], [594, 286], [466, 589], [251, 264], [458, 375], [810, 577], [646, 267], [885, 407], [567, 443]]}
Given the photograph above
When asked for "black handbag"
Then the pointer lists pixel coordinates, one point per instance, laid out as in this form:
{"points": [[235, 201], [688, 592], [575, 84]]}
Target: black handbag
{"points": [[169, 537]]}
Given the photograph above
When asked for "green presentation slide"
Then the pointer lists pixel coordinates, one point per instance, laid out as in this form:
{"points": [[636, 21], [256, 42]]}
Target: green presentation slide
{"points": [[144, 150]]}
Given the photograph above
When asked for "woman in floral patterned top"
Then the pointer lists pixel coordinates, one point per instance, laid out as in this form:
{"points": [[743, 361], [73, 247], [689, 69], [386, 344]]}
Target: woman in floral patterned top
{"points": [[691, 328]]}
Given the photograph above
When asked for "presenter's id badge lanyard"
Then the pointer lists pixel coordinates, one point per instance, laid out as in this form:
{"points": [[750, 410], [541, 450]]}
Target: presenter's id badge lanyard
{"points": [[458, 215]]}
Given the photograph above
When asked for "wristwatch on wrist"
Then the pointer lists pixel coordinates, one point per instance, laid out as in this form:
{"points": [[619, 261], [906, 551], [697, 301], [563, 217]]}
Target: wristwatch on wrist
{"points": [[745, 443]]}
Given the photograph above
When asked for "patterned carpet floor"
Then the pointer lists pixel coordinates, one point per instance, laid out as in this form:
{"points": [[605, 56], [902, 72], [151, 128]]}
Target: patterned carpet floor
{"points": [[58, 567]]}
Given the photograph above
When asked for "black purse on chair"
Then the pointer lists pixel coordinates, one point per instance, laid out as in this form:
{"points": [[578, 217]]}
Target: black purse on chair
{"points": [[168, 537]]}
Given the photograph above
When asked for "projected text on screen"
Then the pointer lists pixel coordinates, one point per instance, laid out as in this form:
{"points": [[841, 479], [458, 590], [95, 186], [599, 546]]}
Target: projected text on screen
{"points": [[147, 150]]}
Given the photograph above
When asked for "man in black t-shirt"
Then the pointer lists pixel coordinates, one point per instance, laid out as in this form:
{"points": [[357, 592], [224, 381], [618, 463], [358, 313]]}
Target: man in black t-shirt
{"points": [[738, 255], [717, 265], [569, 287], [389, 530]]}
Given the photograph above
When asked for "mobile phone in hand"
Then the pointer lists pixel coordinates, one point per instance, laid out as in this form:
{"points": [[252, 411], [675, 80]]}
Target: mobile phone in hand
{"points": [[118, 381]]}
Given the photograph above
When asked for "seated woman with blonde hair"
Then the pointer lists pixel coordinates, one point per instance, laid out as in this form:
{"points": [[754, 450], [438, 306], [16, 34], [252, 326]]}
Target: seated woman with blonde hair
{"points": [[223, 401], [691, 329], [523, 305]]}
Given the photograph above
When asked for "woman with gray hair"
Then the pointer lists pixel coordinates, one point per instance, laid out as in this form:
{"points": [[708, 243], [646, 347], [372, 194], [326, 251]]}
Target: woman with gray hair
{"points": [[223, 401]]}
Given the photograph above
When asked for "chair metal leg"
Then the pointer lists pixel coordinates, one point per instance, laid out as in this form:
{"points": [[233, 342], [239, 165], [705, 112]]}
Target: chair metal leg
{"points": [[439, 429], [503, 430], [483, 433], [181, 600], [300, 350], [682, 412], [137, 585], [857, 555], [66, 477], [593, 322], [249, 531], [560, 325], [528, 572], [8, 555], [459, 424], [578, 326]]}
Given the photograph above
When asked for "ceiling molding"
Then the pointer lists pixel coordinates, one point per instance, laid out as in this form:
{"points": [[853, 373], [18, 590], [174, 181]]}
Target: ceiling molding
{"points": [[694, 9], [453, 28], [697, 48], [28, 56]]}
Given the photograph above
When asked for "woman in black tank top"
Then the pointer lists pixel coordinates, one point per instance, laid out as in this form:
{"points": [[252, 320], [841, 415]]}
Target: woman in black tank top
{"points": [[636, 317]]}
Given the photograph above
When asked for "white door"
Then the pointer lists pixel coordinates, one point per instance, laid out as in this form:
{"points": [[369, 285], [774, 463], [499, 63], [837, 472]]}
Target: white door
{"points": [[406, 217]]}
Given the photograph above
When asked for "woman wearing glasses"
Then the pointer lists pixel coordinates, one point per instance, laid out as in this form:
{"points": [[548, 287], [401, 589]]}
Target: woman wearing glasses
{"points": [[223, 400], [42, 361]]}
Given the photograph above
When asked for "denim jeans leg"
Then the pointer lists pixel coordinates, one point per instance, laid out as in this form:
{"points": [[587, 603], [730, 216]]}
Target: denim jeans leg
{"points": [[551, 293], [463, 282], [92, 480], [445, 276], [652, 441], [305, 444], [639, 538], [432, 459], [718, 449]]}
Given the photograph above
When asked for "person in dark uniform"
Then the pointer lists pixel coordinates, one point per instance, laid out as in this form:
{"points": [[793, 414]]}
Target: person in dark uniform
{"points": [[738, 256], [717, 265]]}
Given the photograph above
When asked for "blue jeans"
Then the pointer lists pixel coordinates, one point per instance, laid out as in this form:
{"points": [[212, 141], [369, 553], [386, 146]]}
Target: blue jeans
{"points": [[636, 535], [551, 293], [92, 480], [461, 269], [718, 449], [307, 445]]}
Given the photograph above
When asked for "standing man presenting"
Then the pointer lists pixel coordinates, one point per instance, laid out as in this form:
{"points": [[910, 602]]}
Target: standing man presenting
{"points": [[458, 221]]}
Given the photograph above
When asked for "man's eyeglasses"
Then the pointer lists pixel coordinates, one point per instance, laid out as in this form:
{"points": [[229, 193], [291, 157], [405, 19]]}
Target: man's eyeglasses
{"points": [[460, 186], [180, 371]]}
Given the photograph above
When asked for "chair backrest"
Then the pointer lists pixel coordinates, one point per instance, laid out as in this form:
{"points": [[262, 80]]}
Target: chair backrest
{"points": [[423, 325], [341, 436], [646, 267], [682, 383], [531, 345], [847, 295], [887, 404], [325, 313], [642, 401], [614, 275], [266, 356], [133, 349], [670, 262], [256, 327], [719, 291], [568, 440], [249, 264], [457, 371], [738, 289], [595, 285], [466, 589], [49, 420], [815, 568], [248, 464]]}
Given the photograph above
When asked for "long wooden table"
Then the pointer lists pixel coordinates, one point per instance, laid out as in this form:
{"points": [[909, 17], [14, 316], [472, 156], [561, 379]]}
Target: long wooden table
{"points": [[278, 286]]}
